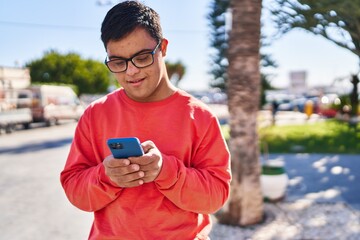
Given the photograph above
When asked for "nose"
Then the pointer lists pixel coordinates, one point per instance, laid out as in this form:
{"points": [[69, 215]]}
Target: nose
{"points": [[131, 69]]}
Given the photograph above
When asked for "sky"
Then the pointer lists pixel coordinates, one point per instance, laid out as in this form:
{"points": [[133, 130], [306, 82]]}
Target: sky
{"points": [[30, 28]]}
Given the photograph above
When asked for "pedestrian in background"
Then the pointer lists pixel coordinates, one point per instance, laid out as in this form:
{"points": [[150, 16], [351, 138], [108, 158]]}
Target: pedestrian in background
{"points": [[184, 174], [309, 108], [274, 110]]}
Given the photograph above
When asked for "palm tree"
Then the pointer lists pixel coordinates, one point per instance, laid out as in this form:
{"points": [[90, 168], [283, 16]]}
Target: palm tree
{"points": [[176, 71], [245, 206]]}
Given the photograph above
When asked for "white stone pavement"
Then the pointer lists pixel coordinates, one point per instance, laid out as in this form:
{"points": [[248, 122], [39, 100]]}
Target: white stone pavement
{"points": [[300, 219], [320, 203]]}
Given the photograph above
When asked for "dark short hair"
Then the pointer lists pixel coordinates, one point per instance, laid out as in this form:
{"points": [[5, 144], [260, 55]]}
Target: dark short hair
{"points": [[125, 17]]}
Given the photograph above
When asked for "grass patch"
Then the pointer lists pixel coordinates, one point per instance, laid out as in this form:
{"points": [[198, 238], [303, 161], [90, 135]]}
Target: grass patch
{"points": [[330, 136]]}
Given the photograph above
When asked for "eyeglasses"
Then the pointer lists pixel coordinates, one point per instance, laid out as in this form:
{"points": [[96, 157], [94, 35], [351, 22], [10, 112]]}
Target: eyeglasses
{"points": [[140, 60]]}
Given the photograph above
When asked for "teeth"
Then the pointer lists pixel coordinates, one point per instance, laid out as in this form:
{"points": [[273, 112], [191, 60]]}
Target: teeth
{"points": [[134, 81]]}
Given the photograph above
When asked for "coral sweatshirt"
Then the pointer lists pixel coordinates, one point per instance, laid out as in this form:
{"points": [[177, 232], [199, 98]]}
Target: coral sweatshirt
{"points": [[193, 182]]}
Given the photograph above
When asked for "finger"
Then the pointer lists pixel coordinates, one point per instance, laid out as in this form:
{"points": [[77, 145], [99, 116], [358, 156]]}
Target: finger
{"points": [[150, 176], [129, 179], [148, 158], [112, 162], [150, 166], [147, 145], [143, 160], [121, 171], [133, 184]]}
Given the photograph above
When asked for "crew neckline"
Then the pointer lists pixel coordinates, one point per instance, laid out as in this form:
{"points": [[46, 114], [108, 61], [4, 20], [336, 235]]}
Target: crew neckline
{"points": [[123, 96]]}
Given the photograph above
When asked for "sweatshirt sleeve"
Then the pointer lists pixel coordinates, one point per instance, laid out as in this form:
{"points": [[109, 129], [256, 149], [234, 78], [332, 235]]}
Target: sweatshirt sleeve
{"points": [[83, 178], [204, 186]]}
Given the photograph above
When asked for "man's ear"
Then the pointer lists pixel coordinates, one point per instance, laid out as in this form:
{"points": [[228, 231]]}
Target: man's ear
{"points": [[163, 46]]}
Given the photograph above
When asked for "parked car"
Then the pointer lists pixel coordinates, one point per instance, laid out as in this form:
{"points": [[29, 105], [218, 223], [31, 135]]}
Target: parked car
{"points": [[327, 105], [53, 103], [14, 110], [298, 104]]}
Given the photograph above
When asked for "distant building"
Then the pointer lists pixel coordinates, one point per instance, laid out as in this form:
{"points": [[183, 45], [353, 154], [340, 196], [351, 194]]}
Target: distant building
{"points": [[14, 78], [298, 85]]}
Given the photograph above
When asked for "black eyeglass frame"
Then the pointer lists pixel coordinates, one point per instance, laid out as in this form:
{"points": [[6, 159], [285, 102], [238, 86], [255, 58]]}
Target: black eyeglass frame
{"points": [[127, 60]]}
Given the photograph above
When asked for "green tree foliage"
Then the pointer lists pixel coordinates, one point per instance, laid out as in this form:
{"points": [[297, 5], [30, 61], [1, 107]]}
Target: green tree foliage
{"points": [[176, 71], [219, 42], [89, 76], [337, 21]]}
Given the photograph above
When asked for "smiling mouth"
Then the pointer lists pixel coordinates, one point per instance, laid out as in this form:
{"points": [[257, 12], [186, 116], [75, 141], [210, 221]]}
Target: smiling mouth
{"points": [[135, 81]]}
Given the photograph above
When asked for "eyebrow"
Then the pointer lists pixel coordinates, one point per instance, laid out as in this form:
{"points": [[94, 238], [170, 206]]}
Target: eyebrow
{"points": [[135, 54]]}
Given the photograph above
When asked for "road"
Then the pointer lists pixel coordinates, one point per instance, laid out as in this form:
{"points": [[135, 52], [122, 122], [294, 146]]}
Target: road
{"points": [[32, 202]]}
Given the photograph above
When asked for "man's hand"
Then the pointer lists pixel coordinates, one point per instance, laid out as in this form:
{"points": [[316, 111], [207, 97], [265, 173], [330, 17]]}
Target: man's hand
{"points": [[150, 163], [122, 172], [135, 171]]}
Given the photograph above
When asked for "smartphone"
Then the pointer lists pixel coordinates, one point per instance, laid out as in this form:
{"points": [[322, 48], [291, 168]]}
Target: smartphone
{"points": [[125, 147]]}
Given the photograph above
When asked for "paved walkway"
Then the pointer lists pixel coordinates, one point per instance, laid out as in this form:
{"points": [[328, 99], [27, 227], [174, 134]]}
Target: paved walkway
{"points": [[322, 202], [301, 219]]}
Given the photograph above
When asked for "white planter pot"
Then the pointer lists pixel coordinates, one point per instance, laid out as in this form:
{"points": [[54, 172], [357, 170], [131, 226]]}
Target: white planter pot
{"points": [[274, 181]]}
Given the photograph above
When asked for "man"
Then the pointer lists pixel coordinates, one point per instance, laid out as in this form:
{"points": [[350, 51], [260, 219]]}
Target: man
{"points": [[184, 174]]}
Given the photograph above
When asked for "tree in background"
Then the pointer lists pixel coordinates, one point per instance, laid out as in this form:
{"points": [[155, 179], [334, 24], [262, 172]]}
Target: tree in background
{"points": [[176, 71], [89, 76], [337, 21], [219, 18], [246, 201]]}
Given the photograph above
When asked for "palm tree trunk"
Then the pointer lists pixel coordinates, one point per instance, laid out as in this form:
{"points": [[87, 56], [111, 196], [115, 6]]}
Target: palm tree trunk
{"points": [[246, 201]]}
